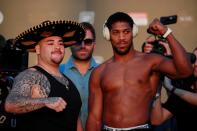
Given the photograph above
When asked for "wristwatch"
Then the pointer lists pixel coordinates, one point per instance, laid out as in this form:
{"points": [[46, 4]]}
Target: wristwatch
{"points": [[167, 33]]}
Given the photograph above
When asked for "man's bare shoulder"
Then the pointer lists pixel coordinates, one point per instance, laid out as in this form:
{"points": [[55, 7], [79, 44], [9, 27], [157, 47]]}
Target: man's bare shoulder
{"points": [[30, 77], [102, 66], [28, 73]]}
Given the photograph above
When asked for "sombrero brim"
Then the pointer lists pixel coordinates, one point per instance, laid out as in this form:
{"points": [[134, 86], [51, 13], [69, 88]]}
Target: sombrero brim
{"points": [[71, 32]]}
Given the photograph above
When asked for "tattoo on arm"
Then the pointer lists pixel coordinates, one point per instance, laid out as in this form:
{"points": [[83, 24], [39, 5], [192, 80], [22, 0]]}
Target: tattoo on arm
{"points": [[29, 92]]}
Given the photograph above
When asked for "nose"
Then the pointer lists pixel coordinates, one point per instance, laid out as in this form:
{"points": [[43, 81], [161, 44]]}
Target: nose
{"points": [[57, 47], [121, 36], [82, 44]]}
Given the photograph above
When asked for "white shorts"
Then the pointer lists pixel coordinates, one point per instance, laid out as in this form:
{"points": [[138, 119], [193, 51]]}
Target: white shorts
{"points": [[145, 126]]}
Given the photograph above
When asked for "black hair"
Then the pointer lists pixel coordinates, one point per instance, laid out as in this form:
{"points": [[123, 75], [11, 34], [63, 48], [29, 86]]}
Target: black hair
{"points": [[119, 16], [90, 27]]}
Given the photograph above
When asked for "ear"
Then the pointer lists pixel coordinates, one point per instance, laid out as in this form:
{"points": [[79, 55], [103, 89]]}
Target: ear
{"points": [[94, 45], [37, 48]]}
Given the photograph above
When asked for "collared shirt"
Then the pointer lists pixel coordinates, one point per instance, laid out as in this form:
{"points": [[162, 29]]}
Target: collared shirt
{"points": [[81, 82]]}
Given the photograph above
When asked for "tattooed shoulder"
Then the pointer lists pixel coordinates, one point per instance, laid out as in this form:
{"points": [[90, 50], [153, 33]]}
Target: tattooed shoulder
{"points": [[29, 78]]}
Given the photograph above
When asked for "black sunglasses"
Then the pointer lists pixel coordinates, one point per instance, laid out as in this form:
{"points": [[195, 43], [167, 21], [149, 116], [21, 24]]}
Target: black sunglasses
{"points": [[87, 42]]}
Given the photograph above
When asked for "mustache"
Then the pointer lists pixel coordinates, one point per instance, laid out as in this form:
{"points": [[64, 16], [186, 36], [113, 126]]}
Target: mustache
{"points": [[57, 51]]}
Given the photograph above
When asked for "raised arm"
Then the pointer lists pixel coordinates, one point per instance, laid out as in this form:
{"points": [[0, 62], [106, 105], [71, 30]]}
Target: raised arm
{"points": [[180, 66], [95, 103], [30, 92]]}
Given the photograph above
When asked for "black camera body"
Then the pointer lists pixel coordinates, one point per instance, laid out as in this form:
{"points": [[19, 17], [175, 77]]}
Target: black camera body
{"points": [[12, 60], [158, 48]]}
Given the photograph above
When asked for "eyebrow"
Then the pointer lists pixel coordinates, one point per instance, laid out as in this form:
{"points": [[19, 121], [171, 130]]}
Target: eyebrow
{"points": [[51, 40]]}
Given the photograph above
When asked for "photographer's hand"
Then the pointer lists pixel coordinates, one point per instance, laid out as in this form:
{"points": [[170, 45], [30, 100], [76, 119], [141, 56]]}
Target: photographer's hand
{"points": [[154, 45], [188, 96], [165, 44], [148, 48]]}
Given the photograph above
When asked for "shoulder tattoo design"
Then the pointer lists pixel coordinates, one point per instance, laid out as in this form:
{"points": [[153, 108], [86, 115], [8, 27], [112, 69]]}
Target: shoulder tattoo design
{"points": [[29, 91]]}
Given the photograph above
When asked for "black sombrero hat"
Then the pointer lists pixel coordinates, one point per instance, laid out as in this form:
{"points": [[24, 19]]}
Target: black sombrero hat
{"points": [[71, 32]]}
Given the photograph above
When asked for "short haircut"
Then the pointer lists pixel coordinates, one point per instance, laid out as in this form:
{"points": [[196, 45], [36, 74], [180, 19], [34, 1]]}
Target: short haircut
{"points": [[90, 27], [119, 16]]}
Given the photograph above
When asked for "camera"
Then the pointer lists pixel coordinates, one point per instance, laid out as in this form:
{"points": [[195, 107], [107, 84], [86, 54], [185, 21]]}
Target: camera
{"points": [[12, 60], [158, 48]]}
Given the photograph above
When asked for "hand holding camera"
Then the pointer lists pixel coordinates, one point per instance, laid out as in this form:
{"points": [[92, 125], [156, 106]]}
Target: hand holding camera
{"points": [[155, 45]]}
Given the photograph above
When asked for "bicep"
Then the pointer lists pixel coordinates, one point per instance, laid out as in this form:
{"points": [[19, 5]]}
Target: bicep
{"points": [[165, 66]]}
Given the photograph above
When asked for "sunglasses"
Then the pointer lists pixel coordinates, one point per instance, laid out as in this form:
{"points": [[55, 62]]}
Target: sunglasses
{"points": [[87, 42]]}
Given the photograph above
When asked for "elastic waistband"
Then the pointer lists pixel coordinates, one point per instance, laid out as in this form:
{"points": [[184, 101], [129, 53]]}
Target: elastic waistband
{"points": [[145, 126]]}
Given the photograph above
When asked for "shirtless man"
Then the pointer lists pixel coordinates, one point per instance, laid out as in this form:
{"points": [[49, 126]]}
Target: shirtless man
{"points": [[120, 88]]}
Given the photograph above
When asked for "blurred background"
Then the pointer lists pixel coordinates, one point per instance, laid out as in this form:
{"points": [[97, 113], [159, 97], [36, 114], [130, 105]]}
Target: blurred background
{"points": [[18, 15]]}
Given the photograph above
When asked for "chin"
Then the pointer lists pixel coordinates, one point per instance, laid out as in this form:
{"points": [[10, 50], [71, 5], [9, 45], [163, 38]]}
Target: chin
{"points": [[57, 60]]}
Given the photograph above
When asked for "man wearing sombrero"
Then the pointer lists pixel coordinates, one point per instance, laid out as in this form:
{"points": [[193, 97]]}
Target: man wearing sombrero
{"points": [[42, 97]]}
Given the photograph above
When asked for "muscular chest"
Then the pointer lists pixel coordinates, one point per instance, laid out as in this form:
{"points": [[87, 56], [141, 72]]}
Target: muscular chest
{"points": [[125, 75]]}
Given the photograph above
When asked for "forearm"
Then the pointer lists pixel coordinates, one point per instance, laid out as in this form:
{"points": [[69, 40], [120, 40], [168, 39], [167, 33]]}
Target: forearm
{"points": [[180, 59], [187, 96], [24, 105]]}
